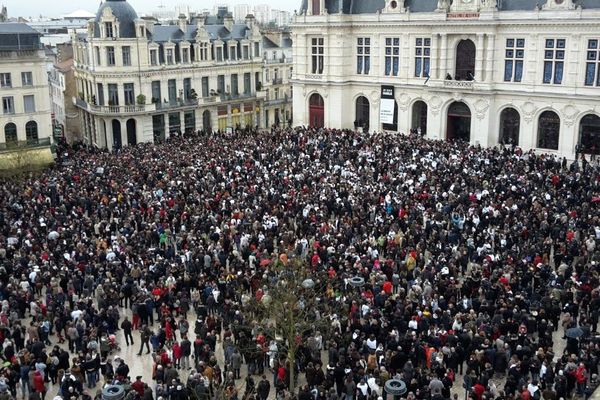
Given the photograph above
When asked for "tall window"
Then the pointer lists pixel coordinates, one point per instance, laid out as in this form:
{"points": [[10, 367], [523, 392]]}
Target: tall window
{"points": [[592, 67], [31, 132], [318, 53], [554, 56], [220, 53], [392, 56], [129, 94], [234, 85], [363, 56], [113, 94], [29, 103], [153, 57], [185, 55], [126, 56], [245, 52], [172, 90], [10, 133], [203, 51], [5, 80], [422, 57], [187, 87], [513, 60], [100, 97], [221, 84], [8, 105], [97, 54], [108, 28], [110, 56], [170, 59], [27, 78], [205, 87], [247, 83], [156, 95]]}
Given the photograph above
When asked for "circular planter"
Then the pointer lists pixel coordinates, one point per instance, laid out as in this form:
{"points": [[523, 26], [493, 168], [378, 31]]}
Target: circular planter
{"points": [[357, 281], [113, 392], [395, 387]]}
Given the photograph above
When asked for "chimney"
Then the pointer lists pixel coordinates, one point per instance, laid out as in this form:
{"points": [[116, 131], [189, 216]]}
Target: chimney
{"points": [[228, 22], [250, 20], [200, 21], [182, 22]]}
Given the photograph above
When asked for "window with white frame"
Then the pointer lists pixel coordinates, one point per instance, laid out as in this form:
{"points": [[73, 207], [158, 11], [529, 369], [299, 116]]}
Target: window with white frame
{"points": [[363, 56], [153, 57], [108, 29], [592, 66], [110, 56], [422, 57], [185, 55], [126, 56], [170, 58], [317, 55], [27, 78], [513, 60], [554, 56], [392, 56], [5, 80]]}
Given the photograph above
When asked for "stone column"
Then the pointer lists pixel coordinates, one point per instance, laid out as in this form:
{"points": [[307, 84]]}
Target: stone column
{"points": [[489, 59], [443, 69], [433, 66], [479, 58]]}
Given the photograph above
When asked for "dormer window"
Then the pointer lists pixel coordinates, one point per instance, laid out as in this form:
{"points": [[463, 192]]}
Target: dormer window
{"points": [[219, 53], [204, 51], [108, 30], [170, 59], [233, 52], [185, 55]]}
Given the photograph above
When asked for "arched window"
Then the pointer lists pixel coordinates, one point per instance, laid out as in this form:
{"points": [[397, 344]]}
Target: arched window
{"points": [[362, 113], [510, 123], [419, 118], [589, 134], [316, 113], [548, 130], [465, 61], [31, 132], [459, 122], [10, 134]]}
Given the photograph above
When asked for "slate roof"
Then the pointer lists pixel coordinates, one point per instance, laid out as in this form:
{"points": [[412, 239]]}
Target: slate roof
{"points": [[124, 13], [165, 33], [372, 6], [12, 28]]}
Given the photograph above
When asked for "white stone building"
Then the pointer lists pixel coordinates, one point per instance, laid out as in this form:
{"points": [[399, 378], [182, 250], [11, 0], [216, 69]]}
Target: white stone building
{"points": [[141, 82], [25, 115], [487, 71]]}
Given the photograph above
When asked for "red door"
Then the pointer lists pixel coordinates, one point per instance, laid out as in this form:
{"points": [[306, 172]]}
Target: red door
{"points": [[316, 111]]}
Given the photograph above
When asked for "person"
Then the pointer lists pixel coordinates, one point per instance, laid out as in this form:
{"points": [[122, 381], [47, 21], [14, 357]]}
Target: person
{"points": [[145, 334], [263, 389], [127, 328]]}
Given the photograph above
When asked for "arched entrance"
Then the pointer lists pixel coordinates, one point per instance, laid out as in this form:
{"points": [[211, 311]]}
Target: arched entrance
{"points": [[31, 132], [131, 132], [116, 130], [419, 118], [510, 123], [589, 134], [316, 112], [548, 130], [206, 121], [465, 61], [362, 113], [459, 122], [10, 134]]}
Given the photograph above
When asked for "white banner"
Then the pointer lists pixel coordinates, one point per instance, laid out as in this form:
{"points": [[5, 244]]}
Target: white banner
{"points": [[386, 111]]}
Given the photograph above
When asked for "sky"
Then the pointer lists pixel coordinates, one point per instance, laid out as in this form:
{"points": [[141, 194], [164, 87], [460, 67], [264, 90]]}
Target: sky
{"points": [[56, 8]]}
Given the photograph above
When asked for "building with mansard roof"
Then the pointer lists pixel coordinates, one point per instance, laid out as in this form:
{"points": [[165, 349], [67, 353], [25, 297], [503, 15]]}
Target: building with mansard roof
{"points": [[524, 72], [140, 81]]}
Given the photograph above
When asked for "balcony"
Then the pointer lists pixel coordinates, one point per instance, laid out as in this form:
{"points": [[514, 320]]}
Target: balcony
{"points": [[25, 144], [240, 96], [275, 102], [280, 60], [113, 110], [177, 105], [468, 85], [277, 81]]}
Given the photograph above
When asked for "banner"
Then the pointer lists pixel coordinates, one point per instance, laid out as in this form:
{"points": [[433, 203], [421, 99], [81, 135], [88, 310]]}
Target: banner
{"points": [[386, 106]]}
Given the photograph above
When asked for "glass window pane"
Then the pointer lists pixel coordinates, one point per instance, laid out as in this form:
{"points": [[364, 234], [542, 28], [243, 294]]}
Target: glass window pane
{"points": [[418, 66], [367, 50], [549, 43], [396, 63], [359, 65], [510, 42], [427, 52], [419, 51], [367, 41], [590, 74], [592, 44], [518, 70], [427, 42], [367, 65], [388, 65], [360, 50], [560, 43], [360, 41], [419, 42], [548, 54], [388, 41], [508, 70], [396, 51], [560, 54], [591, 55], [558, 73], [388, 51], [510, 53], [547, 71], [426, 67], [396, 41], [520, 43]]}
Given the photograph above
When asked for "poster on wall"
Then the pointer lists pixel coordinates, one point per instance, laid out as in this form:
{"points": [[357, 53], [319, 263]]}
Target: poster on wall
{"points": [[387, 106]]}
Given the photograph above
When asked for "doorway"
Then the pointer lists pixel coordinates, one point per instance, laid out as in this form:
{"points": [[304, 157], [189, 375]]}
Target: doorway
{"points": [[459, 122], [316, 115]]}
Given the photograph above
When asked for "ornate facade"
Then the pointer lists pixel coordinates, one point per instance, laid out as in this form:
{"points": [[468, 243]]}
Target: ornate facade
{"points": [[139, 81], [513, 71]]}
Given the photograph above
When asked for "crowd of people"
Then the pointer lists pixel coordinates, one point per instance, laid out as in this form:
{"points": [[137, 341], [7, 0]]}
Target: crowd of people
{"points": [[469, 260]]}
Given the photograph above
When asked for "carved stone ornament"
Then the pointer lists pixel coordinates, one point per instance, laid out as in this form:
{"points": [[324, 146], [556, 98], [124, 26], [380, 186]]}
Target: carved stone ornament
{"points": [[570, 113], [403, 101], [481, 108], [529, 110], [436, 104]]}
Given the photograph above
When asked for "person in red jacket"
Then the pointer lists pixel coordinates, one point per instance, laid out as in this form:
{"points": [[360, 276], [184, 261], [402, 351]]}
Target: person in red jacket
{"points": [[581, 378], [478, 389], [38, 385], [176, 354], [138, 385]]}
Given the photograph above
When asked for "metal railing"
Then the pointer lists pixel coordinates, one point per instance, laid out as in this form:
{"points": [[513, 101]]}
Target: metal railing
{"points": [[177, 104], [111, 110], [459, 84], [277, 81], [279, 60], [25, 144]]}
